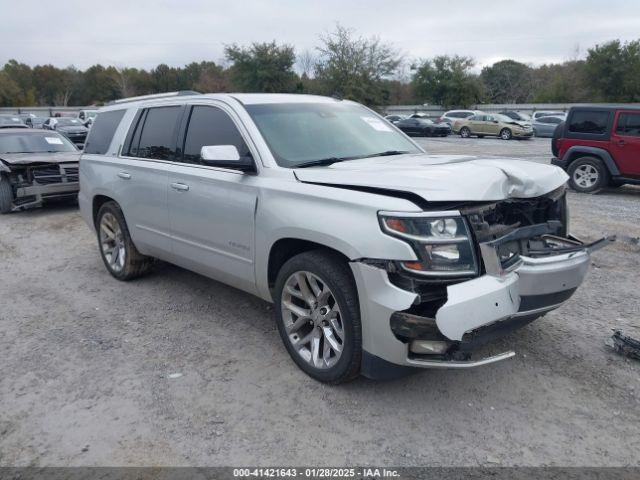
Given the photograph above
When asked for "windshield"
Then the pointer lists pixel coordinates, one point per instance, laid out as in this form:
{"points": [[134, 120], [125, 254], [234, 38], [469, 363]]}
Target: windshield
{"points": [[299, 133], [35, 143], [69, 122], [10, 121]]}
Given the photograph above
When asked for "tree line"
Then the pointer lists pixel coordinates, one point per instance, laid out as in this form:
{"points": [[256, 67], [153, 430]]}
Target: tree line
{"points": [[344, 65]]}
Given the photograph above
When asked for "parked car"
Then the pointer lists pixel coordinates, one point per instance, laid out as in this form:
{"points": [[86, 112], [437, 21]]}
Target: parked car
{"points": [[452, 116], [71, 127], [11, 121], [545, 126], [394, 118], [35, 122], [599, 147], [87, 117], [517, 116], [35, 166], [378, 257], [423, 127], [546, 113], [492, 125]]}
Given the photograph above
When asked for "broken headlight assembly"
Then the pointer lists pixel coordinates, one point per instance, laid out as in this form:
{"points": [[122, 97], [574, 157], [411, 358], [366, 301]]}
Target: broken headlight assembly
{"points": [[441, 241]]}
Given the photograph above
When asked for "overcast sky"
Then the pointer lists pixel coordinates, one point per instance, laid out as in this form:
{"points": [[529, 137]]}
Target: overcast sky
{"points": [[145, 33]]}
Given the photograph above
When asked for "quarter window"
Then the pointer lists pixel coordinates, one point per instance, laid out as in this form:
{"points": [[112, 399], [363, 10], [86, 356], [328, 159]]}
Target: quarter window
{"points": [[590, 122], [629, 124], [210, 126], [102, 131], [157, 139]]}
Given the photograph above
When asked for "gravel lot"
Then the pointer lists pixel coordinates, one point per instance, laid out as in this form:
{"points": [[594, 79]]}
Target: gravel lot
{"points": [[87, 365]]}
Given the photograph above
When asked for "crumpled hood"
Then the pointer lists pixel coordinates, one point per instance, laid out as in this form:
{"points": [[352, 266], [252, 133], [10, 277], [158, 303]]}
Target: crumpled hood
{"points": [[442, 177], [29, 158]]}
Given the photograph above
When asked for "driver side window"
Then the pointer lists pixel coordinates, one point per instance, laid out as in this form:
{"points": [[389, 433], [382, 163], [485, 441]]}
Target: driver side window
{"points": [[210, 126]]}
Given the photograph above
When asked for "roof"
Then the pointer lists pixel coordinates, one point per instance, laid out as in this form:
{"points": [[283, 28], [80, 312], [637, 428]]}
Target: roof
{"points": [[243, 98]]}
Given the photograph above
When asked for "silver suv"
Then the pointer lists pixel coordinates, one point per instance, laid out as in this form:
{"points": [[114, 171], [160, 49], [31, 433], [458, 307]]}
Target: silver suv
{"points": [[379, 258]]}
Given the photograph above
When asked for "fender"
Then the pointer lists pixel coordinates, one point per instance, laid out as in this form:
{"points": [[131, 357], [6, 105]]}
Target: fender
{"points": [[599, 152]]}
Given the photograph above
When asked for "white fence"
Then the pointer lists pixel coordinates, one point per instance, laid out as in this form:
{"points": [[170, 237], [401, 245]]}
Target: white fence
{"points": [[43, 111]]}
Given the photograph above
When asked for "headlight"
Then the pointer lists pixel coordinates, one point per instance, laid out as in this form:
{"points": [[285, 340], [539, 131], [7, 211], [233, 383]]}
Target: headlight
{"points": [[441, 241]]}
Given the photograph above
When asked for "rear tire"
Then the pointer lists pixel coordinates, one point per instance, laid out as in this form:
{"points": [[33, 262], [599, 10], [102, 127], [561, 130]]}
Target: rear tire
{"points": [[505, 134], [465, 132], [318, 316], [119, 254], [588, 175], [6, 195]]}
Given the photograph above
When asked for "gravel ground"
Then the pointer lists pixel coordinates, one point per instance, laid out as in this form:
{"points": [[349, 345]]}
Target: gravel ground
{"points": [[177, 369]]}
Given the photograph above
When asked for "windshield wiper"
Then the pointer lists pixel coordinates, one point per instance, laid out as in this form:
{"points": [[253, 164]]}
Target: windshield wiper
{"points": [[331, 160], [322, 162], [387, 153]]}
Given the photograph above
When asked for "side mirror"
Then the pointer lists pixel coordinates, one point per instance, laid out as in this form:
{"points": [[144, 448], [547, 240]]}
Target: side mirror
{"points": [[226, 156]]}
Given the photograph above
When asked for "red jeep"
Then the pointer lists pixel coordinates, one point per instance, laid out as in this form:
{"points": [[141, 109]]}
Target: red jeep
{"points": [[599, 146]]}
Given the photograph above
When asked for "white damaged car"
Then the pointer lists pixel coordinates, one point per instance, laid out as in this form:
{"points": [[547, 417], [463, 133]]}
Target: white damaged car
{"points": [[379, 258]]}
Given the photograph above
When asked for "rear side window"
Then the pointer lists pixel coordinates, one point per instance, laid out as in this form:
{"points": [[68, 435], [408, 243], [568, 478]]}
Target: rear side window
{"points": [[592, 122], [155, 135], [549, 120], [210, 126], [629, 124], [102, 131]]}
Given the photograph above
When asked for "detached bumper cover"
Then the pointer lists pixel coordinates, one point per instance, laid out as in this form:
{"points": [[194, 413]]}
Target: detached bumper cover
{"points": [[489, 299], [498, 301]]}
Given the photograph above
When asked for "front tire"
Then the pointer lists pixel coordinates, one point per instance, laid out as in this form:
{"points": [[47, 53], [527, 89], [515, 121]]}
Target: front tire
{"points": [[465, 132], [506, 134], [6, 195], [119, 254], [318, 316], [588, 175]]}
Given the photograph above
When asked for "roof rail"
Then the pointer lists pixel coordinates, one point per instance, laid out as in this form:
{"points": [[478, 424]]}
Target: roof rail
{"points": [[154, 96]]}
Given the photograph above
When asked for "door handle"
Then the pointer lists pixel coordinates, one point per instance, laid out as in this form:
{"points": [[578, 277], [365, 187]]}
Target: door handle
{"points": [[621, 143], [124, 175], [180, 187]]}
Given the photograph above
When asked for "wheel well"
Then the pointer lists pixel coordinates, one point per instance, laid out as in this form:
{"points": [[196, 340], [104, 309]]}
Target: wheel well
{"points": [[576, 155], [287, 248], [98, 201]]}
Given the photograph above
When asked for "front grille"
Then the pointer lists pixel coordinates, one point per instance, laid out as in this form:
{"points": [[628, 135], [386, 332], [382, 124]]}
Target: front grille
{"points": [[71, 173], [48, 174], [490, 222]]}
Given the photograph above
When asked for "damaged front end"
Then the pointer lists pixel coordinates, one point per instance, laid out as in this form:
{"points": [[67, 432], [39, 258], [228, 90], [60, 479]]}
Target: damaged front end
{"points": [[33, 184], [483, 270]]}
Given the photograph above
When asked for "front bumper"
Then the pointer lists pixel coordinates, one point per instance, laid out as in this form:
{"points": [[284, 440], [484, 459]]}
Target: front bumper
{"points": [[523, 133], [475, 311], [47, 182]]}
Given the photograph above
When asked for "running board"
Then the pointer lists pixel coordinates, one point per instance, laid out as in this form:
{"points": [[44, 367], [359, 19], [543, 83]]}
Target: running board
{"points": [[460, 363]]}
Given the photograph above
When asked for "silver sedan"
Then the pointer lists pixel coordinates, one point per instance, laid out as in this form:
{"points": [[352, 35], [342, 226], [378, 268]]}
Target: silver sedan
{"points": [[545, 126]]}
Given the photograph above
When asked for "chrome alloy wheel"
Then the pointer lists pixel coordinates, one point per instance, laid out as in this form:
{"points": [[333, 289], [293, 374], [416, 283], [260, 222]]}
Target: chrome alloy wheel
{"points": [[312, 320], [585, 176], [112, 242]]}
